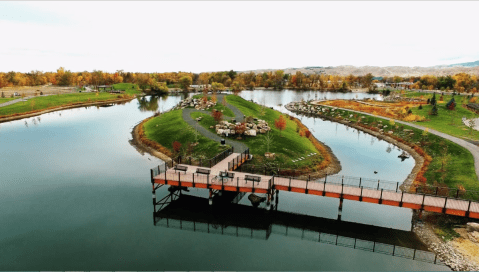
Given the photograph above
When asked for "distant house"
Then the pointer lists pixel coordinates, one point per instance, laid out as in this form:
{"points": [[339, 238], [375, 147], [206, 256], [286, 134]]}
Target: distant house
{"points": [[380, 85], [200, 87]]}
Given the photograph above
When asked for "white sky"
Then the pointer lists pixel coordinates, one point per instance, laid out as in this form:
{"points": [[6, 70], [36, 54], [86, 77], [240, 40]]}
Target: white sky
{"points": [[216, 36]]}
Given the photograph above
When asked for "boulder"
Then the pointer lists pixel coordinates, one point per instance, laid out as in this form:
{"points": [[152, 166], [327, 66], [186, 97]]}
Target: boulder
{"points": [[471, 226], [473, 236], [219, 131], [390, 132], [252, 132], [263, 131]]}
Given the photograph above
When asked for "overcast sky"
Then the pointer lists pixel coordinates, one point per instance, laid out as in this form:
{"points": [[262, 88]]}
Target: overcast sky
{"points": [[214, 36]]}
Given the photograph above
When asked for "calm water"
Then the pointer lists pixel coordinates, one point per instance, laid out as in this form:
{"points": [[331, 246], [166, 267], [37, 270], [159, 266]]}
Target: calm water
{"points": [[74, 194]]}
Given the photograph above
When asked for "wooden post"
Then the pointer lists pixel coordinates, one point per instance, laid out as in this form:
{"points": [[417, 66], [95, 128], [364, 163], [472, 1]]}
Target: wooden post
{"points": [[207, 181], [378, 185], [402, 195], [381, 197], [359, 182], [468, 208], [397, 186], [361, 196], [193, 174], [252, 190], [444, 208], [179, 181], [289, 187]]}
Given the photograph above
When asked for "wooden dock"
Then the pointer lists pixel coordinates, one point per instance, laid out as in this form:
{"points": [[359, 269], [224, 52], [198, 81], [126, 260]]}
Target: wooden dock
{"points": [[268, 185]]}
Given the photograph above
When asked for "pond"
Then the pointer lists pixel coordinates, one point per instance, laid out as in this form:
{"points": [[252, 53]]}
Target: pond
{"points": [[76, 195]]}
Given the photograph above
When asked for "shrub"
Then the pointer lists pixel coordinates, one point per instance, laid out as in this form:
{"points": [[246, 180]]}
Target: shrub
{"points": [[420, 107], [176, 146]]}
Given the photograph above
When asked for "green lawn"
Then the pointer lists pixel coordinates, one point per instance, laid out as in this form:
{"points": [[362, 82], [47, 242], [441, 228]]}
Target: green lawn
{"points": [[170, 127], [218, 106], [447, 121], [287, 147], [129, 88], [43, 102], [458, 170], [3, 100]]}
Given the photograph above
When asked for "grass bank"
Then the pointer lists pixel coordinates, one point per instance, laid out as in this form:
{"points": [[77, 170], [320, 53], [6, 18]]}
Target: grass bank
{"points": [[52, 101], [449, 163], [288, 145], [170, 127], [3, 100], [446, 121], [219, 106], [129, 88]]}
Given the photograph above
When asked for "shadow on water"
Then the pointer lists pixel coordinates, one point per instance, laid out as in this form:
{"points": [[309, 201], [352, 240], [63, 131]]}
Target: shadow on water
{"points": [[226, 217]]}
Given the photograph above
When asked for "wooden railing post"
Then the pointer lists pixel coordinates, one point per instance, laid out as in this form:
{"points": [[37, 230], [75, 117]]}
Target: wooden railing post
{"points": [[397, 186], [378, 185], [359, 182], [289, 187], [468, 208]]}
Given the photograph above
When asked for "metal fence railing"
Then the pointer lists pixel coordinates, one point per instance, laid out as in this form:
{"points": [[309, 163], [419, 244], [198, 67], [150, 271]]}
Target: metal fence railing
{"points": [[202, 162], [239, 160]]}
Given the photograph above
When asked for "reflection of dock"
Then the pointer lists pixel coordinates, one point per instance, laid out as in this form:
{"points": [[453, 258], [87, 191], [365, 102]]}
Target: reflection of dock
{"points": [[194, 214]]}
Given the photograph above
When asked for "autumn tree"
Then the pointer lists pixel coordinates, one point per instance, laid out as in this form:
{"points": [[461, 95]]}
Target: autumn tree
{"points": [[176, 146], [217, 115], [159, 87], [240, 129], [185, 82], [280, 124], [216, 86]]}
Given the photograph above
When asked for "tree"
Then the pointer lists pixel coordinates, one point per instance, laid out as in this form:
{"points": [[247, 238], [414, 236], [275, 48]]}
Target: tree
{"points": [[240, 129], [176, 146], [280, 124], [185, 82], [451, 105], [367, 80], [433, 99], [217, 115], [216, 86], [268, 139], [159, 87]]}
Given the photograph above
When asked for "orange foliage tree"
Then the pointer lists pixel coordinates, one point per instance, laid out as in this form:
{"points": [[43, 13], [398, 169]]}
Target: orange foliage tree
{"points": [[280, 124], [217, 115], [176, 146]]}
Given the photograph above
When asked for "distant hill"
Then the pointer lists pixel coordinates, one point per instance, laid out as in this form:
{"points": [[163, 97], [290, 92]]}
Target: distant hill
{"points": [[389, 71], [466, 64]]}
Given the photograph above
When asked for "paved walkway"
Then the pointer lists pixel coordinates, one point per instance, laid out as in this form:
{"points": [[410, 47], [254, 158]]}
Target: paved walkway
{"points": [[238, 146], [19, 100], [474, 149]]}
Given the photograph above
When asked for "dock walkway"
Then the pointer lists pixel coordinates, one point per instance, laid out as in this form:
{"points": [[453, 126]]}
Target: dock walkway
{"points": [[241, 182]]}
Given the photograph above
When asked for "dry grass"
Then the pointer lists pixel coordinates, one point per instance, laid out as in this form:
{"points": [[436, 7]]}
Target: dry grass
{"points": [[390, 110]]}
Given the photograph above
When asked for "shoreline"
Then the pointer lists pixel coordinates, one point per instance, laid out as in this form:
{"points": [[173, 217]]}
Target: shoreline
{"points": [[9, 118], [419, 160], [137, 141]]}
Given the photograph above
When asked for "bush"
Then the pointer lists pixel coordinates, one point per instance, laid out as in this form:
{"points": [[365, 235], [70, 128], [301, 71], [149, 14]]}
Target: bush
{"points": [[3, 95], [420, 107]]}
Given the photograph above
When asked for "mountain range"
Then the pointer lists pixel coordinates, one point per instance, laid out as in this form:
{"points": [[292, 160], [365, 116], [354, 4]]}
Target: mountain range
{"points": [[388, 71]]}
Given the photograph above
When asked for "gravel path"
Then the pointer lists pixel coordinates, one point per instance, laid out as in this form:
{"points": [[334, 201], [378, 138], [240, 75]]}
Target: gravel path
{"points": [[238, 147], [474, 149]]}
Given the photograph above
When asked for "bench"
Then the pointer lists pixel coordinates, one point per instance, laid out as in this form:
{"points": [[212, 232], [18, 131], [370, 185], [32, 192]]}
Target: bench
{"points": [[180, 168], [252, 178], [203, 171], [227, 174]]}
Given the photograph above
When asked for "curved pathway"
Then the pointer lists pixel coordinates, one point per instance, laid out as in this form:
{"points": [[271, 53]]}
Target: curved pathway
{"points": [[474, 149], [238, 146]]}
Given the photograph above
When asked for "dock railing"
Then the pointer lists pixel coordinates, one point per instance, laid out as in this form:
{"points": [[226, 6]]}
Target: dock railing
{"points": [[239, 160]]}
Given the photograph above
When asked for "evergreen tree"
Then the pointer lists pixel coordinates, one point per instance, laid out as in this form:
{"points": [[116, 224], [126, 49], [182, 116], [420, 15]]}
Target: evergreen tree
{"points": [[433, 99]]}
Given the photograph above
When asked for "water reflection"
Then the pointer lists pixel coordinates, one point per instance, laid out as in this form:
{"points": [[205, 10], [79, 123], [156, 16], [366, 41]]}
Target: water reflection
{"points": [[186, 212]]}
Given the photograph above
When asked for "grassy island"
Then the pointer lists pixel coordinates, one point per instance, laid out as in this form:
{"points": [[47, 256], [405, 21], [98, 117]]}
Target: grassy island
{"points": [[291, 148]]}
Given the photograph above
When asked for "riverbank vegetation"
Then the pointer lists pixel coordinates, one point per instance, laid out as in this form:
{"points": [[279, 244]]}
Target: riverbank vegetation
{"points": [[446, 120], [446, 163], [40, 103]]}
